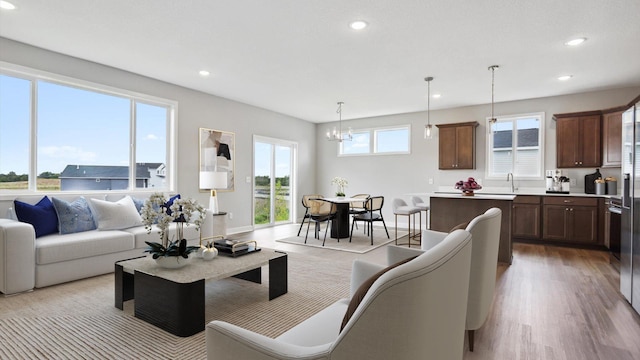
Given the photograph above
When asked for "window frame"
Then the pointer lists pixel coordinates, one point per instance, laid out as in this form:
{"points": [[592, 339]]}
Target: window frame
{"points": [[34, 76], [489, 148], [373, 141]]}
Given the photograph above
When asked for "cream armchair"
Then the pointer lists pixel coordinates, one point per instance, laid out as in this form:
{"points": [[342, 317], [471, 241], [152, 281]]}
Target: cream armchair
{"points": [[485, 232], [415, 310]]}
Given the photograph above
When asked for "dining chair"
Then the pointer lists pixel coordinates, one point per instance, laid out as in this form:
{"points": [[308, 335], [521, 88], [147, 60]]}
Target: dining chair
{"points": [[357, 207], [321, 211], [305, 204], [373, 212]]}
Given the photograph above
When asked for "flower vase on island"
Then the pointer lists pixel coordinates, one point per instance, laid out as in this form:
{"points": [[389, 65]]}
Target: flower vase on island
{"points": [[468, 187]]}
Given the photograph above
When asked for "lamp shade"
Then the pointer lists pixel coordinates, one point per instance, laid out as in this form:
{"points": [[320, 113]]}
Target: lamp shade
{"points": [[213, 180]]}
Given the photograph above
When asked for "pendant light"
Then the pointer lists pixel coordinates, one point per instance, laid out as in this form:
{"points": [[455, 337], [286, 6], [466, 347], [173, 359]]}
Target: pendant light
{"points": [[428, 129], [492, 119], [337, 134]]}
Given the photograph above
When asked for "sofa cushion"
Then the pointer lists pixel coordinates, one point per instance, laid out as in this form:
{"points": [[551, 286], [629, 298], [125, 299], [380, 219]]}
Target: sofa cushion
{"points": [[364, 287], [117, 215], [139, 204], [461, 226], [42, 216], [321, 328], [55, 248], [73, 216]]}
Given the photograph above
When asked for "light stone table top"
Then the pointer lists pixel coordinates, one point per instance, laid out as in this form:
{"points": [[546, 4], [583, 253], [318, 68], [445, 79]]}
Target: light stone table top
{"points": [[220, 267]]}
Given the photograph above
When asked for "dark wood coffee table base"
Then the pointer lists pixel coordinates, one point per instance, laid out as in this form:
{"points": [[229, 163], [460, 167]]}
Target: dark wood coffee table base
{"points": [[178, 308]]}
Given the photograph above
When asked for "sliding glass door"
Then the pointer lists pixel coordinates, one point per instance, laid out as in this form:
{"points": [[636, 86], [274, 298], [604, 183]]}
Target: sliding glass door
{"points": [[273, 179]]}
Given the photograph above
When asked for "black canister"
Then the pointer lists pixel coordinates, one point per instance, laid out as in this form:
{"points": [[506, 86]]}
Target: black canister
{"points": [[590, 182]]}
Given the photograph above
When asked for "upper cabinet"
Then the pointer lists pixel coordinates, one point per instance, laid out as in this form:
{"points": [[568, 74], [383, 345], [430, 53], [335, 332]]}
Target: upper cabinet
{"points": [[578, 141], [612, 138], [457, 144]]}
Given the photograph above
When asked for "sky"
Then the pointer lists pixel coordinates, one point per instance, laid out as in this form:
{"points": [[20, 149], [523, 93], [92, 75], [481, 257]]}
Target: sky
{"points": [[263, 154], [75, 127]]}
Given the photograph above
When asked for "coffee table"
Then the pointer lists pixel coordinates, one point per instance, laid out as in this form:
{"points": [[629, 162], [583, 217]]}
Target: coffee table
{"points": [[173, 299]]}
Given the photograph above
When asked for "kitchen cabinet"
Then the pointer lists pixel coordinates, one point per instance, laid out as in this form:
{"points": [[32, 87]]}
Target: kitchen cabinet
{"points": [[578, 142], [571, 219], [526, 214], [448, 211], [457, 146], [612, 139]]}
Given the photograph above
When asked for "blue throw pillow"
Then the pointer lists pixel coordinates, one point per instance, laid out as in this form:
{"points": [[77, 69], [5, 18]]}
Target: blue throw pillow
{"points": [[42, 216], [74, 217]]}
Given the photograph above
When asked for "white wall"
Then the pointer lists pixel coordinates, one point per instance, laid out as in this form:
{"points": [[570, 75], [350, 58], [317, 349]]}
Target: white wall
{"points": [[390, 176], [397, 175], [195, 110]]}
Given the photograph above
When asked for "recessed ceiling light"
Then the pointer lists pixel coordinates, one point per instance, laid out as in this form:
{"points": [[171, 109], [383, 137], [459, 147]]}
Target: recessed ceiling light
{"points": [[204, 73], [565, 77], [576, 41], [6, 5], [436, 96], [358, 25]]}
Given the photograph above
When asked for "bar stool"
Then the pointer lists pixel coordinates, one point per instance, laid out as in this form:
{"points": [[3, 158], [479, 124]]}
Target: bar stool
{"points": [[418, 202], [400, 207]]}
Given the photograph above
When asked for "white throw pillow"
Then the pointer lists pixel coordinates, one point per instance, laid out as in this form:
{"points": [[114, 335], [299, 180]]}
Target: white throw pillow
{"points": [[121, 214]]}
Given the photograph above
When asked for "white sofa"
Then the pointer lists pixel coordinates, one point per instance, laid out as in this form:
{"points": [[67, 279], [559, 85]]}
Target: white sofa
{"points": [[416, 310], [27, 262]]}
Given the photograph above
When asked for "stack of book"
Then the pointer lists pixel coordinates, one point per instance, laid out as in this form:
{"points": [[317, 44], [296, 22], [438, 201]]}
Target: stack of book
{"points": [[233, 246]]}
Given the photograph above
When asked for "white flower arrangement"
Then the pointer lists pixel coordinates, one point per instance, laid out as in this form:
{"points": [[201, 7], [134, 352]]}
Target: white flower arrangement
{"points": [[341, 183], [182, 211]]}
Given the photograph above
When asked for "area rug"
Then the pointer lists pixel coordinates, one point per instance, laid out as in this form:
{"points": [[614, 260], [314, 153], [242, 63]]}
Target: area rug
{"points": [[360, 244], [78, 320]]}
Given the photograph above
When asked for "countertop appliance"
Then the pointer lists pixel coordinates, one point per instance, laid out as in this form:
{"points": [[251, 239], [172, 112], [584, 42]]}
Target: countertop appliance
{"points": [[630, 219]]}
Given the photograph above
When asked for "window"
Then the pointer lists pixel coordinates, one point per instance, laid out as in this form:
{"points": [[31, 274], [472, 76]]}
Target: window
{"points": [[360, 144], [514, 146], [378, 141], [84, 136], [15, 117]]}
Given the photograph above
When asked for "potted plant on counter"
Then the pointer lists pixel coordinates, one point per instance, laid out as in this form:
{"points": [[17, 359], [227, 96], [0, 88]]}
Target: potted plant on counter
{"points": [[468, 187]]}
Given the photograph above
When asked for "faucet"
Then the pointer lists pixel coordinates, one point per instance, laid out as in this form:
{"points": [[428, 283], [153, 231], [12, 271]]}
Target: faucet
{"points": [[510, 175]]}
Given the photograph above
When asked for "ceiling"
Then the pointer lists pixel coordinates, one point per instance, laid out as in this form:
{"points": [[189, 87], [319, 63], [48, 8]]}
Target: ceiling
{"points": [[299, 57]]}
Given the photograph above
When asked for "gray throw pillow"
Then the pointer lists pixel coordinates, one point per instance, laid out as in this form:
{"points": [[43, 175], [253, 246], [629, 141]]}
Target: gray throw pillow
{"points": [[73, 216]]}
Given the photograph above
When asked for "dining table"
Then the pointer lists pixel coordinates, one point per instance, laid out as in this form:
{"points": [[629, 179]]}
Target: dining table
{"points": [[341, 231]]}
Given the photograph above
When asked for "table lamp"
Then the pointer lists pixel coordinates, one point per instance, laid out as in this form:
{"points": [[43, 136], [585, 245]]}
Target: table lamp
{"points": [[213, 180]]}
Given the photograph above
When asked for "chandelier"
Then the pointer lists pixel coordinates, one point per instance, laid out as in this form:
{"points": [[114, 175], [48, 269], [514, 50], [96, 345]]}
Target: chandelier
{"points": [[337, 134], [428, 129]]}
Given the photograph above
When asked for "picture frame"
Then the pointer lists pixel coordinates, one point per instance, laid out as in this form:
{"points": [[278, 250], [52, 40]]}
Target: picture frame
{"points": [[217, 155]]}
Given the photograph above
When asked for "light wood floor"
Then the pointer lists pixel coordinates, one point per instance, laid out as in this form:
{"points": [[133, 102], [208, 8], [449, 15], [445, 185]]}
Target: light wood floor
{"points": [[551, 303]]}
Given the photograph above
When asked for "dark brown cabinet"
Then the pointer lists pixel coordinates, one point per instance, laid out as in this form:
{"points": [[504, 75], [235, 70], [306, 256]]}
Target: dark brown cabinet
{"points": [[578, 142], [526, 216], [612, 139], [570, 219], [457, 144]]}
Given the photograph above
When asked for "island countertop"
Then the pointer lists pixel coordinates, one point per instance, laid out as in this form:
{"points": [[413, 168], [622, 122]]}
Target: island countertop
{"points": [[476, 196], [449, 210]]}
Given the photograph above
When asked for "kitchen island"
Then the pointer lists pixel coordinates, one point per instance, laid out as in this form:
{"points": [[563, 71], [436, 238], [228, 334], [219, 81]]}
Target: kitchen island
{"points": [[451, 209]]}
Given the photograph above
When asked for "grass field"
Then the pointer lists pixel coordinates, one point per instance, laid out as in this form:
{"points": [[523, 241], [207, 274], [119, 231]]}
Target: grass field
{"points": [[43, 184]]}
